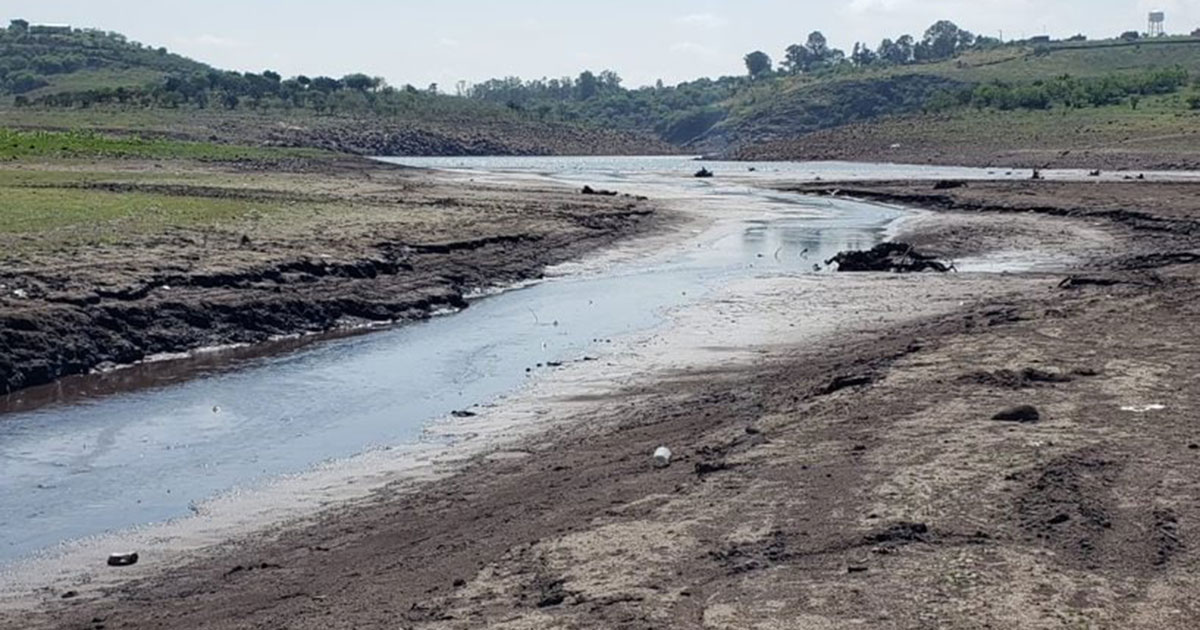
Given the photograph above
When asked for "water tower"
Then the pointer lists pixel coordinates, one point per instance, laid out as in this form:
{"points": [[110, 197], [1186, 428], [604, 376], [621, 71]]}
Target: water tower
{"points": [[1157, 20]]}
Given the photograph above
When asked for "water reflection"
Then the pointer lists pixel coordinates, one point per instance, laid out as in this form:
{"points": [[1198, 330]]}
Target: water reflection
{"points": [[142, 444]]}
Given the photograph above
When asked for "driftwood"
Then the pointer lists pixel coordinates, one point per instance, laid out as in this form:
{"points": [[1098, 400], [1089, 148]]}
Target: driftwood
{"points": [[897, 257]]}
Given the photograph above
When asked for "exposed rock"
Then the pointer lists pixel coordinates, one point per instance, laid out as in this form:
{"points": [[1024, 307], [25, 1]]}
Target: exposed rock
{"points": [[1020, 413], [896, 257]]}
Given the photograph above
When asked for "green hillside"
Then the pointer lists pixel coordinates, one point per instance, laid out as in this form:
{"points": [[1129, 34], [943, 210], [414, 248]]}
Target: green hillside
{"points": [[37, 60], [67, 78], [64, 78], [1102, 74]]}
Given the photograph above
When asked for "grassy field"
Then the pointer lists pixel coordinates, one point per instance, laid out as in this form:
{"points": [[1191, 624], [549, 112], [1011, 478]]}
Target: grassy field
{"points": [[61, 188], [102, 215], [21, 144], [93, 79]]}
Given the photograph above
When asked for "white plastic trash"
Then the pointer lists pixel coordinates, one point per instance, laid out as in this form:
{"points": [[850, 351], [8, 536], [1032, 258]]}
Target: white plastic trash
{"points": [[662, 457]]}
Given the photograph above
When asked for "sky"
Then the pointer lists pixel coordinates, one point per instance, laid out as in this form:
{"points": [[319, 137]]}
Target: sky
{"points": [[446, 41]]}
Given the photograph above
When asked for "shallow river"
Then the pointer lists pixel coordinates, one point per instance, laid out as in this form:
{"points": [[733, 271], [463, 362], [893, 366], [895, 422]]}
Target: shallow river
{"points": [[91, 461]]}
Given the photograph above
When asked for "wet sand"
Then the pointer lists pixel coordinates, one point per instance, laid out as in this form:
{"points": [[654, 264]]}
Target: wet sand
{"points": [[836, 460], [360, 243]]}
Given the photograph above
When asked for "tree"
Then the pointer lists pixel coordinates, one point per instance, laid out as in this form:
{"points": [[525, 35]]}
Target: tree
{"points": [[587, 85], [326, 85], [862, 55], [610, 80], [359, 81], [907, 48], [272, 76], [758, 63], [944, 39], [797, 59], [817, 46], [19, 27]]}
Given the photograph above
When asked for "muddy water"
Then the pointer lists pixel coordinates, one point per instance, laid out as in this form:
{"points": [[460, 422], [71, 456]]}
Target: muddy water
{"points": [[107, 457]]}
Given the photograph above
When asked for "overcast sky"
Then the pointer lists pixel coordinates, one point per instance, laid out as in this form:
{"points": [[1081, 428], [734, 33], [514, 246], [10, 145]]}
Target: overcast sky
{"points": [[421, 42]]}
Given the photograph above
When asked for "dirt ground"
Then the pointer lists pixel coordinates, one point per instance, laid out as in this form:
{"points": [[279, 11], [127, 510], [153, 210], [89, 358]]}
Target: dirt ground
{"points": [[1000, 139], [346, 242], [859, 482]]}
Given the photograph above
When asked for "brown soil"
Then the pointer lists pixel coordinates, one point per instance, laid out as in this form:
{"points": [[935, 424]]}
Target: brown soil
{"points": [[860, 482], [400, 245], [988, 143]]}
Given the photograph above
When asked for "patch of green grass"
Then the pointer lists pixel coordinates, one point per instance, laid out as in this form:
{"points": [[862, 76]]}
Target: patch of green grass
{"points": [[1160, 123], [94, 79], [39, 210], [17, 144]]}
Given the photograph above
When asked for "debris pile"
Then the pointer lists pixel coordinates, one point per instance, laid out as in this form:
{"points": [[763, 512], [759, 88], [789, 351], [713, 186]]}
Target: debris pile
{"points": [[896, 257]]}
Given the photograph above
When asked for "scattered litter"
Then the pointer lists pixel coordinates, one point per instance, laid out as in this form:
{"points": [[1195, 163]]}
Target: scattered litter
{"points": [[216, 409], [21, 293], [122, 559], [1143, 408], [662, 457]]}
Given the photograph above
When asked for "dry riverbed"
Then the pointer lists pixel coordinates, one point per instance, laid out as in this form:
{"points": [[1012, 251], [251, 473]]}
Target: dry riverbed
{"points": [[107, 263], [837, 463]]}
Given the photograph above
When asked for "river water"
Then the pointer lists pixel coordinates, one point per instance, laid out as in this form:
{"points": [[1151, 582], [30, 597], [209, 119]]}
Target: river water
{"points": [[100, 456]]}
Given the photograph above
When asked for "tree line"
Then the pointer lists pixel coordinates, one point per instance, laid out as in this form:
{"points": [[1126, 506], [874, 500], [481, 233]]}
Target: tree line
{"points": [[31, 55], [233, 90], [1065, 91], [943, 40]]}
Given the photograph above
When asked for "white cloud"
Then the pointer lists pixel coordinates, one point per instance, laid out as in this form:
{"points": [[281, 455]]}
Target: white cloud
{"points": [[448, 42], [703, 20]]}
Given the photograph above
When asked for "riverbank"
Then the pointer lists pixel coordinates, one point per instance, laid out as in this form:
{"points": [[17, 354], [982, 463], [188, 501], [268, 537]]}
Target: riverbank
{"points": [[836, 460], [1108, 139], [113, 261]]}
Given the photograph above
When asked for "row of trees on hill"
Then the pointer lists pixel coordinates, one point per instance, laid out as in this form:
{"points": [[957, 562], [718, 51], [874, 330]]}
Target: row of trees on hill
{"points": [[234, 90], [1066, 91], [31, 55], [943, 40]]}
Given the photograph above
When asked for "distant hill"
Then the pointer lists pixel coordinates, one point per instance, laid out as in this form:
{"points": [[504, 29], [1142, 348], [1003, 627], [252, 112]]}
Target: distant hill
{"points": [[60, 77], [36, 60], [794, 106], [66, 77]]}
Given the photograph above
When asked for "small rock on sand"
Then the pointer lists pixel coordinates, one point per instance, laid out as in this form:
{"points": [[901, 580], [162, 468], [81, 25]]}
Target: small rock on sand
{"points": [[1020, 413]]}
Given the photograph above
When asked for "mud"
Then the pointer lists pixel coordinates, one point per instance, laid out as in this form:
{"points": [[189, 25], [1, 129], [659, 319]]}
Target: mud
{"points": [[858, 481], [893, 257], [406, 247]]}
